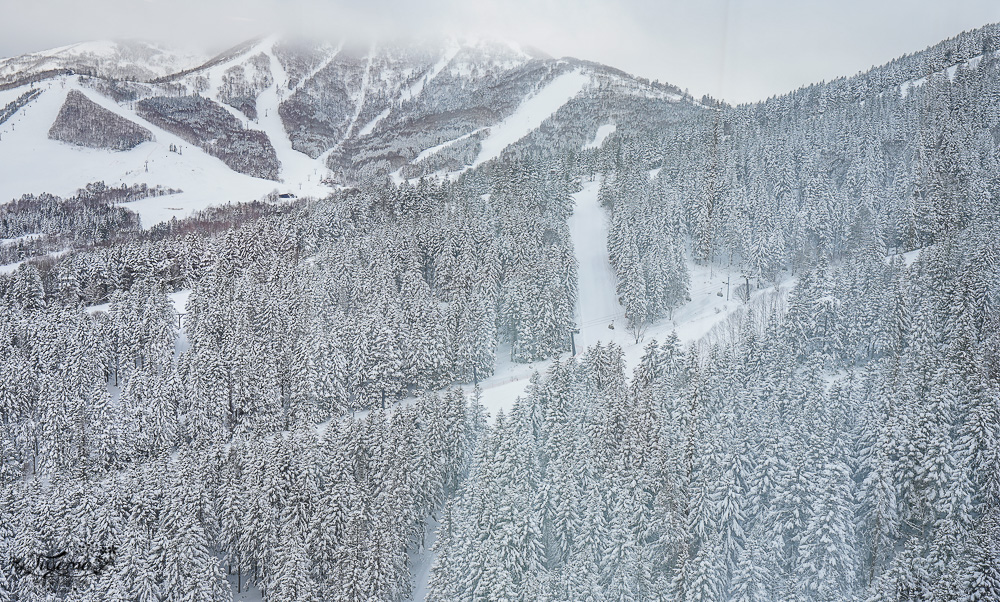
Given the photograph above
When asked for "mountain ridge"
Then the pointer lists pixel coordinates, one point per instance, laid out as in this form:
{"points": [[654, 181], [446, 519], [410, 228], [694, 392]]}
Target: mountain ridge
{"points": [[305, 113]]}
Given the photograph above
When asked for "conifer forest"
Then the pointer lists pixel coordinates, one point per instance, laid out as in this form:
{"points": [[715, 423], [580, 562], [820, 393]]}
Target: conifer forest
{"points": [[464, 322]]}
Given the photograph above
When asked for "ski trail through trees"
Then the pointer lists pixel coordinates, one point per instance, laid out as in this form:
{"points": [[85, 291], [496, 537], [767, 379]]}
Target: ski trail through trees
{"points": [[362, 95], [296, 167], [597, 303], [529, 115]]}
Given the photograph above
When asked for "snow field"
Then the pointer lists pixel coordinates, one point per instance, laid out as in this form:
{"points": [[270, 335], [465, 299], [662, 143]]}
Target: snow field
{"points": [[31, 163], [368, 129], [528, 116], [436, 149], [298, 170], [449, 54], [602, 134]]}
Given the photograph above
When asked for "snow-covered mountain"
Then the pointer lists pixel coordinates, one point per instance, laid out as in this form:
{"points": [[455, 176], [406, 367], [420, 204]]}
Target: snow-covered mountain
{"points": [[292, 116], [621, 345], [135, 60]]}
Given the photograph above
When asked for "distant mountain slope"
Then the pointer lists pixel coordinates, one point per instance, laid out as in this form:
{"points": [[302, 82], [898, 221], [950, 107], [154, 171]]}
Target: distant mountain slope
{"points": [[131, 60], [313, 114]]}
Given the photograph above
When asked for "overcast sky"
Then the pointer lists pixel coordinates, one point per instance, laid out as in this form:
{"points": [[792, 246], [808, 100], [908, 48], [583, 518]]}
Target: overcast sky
{"points": [[738, 50]]}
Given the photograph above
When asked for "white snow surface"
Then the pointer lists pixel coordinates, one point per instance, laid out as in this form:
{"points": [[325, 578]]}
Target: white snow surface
{"points": [[422, 560], [597, 307], [178, 299], [597, 304], [298, 170], [904, 88], [32, 163], [368, 129], [972, 63], [10, 268], [110, 56], [530, 114], [359, 98], [331, 55], [450, 52], [908, 257], [602, 134], [17, 239]]}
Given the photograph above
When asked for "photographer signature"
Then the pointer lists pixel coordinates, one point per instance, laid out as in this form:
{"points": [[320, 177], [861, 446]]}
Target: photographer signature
{"points": [[61, 565]]}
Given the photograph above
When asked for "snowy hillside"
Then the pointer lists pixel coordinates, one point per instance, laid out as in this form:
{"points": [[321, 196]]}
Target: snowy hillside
{"points": [[133, 60], [33, 163], [431, 109], [453, 320]]}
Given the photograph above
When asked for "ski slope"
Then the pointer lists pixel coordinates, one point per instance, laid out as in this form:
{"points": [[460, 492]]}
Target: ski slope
{"points": [[529, 115], [602, 134], [361, 95], [32, 163], [427, 152], [450, 52], [712, 302], [597, 305], [298, 170], [368, 129]]}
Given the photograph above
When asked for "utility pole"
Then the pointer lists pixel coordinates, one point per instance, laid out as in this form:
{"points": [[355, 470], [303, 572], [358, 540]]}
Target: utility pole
{"points": [[475, 377], [572, 339]]}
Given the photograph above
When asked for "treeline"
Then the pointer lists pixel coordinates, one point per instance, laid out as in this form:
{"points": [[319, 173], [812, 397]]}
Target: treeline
{"points": [[15, 105], [207, 125], [177, 253], [240, 89], [83, 122], [46, 223], [647, 245]]}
